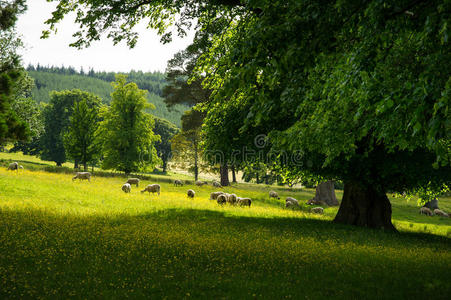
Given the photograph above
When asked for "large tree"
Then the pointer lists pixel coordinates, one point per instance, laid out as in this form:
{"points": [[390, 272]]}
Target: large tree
{"points": [[57, 116], [80, 140], [126, 131], [358, 91], [12, 127]]}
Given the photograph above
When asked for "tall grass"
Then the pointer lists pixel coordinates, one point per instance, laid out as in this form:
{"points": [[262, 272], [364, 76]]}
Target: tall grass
{"points": [[61, 239]]}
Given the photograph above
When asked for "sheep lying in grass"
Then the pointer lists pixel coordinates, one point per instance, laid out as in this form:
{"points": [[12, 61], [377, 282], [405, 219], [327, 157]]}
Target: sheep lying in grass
{"points": [[273, 194], [214, 195], [217, 184], [425, 211], [82, 176], [231, 199], [13, 166], [133, 181], [126, 187], [441, 213], [152, 188], [317, 210], [191, 193], [291, 202], [178, 182], [244, 201], [221, 199], [199, 183]]}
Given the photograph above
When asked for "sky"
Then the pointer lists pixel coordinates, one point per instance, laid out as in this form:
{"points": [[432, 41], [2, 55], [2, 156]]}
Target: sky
{"points": [[148, 55]]}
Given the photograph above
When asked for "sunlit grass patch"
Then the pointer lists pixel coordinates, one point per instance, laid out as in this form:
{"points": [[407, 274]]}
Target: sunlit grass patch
{"points": [[64, 238]]}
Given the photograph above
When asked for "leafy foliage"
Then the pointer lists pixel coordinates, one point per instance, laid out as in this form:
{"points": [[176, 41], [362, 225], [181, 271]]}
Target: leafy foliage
{"points": [[57, 120], [80, 140], [128, 142]]}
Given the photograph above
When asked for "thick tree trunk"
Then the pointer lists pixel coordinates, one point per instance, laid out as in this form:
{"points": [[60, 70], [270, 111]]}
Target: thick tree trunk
{"points": [[364, 206], [85, 167], [58, 164], [325, 194], [224, 171], [165, 166], [233, 174], [433, 204], [76, 164]]}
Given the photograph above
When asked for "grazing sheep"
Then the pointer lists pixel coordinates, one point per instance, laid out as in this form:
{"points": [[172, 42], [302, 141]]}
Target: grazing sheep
{"points": [[232, 198], [426, 211], [244, 202], [273, 194], [152, 188], [21, 167], [191, 193], [441, 213], [82, 176], [199, 183], [126, 187], [133, 181], [291, 202], [317, 210], [214, 195], [222, 199], [13, 166], [217, 184], [178, 182]]}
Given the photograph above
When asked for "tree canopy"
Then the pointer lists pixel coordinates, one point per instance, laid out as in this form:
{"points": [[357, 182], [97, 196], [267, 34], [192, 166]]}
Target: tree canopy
{"points": [[360, 91], [126, 130]]}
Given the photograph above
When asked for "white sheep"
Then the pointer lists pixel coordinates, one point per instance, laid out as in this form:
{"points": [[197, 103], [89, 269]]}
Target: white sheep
{"points": [[13, 166], [273, 194], [152, 188], [441, 213], [244, 201], [126, 187], [317, 210], [291, 202], [82, 176], [426, 211], [133, 181], [191, 193], [178, 182], [214, 195], [21, 167], [222, 199], [217, 184], [231, 199]]}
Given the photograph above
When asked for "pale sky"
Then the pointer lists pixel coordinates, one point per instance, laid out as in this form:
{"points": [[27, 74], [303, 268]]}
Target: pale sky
{"points": [[148, 55]]}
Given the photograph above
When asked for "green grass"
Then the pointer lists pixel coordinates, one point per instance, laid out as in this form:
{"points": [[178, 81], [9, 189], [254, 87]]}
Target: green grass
{"points": [[61, 239]]}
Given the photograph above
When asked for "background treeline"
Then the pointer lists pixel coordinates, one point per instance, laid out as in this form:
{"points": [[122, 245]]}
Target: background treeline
{"points": [[52, 78]]}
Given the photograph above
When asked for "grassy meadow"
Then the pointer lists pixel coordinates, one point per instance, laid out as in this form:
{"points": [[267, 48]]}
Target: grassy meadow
{"points": [[64, 239]]}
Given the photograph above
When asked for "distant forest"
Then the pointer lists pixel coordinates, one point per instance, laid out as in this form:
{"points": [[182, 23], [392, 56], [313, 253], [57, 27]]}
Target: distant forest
{"points": [[52, 78]]}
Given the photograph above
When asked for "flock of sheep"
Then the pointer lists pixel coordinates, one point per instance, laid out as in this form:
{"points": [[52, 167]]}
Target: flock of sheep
{"points": [[220, 197], [428, 212]]}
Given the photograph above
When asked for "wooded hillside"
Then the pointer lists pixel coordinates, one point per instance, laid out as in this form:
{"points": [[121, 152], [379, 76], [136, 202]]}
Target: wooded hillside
{"points": [[61, 78]]}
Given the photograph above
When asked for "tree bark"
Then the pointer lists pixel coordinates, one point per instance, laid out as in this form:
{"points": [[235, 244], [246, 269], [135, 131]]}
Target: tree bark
{"points": [[196, 168], [165, 166], [364, 206], [325, 194], [233, 174], [85, 166], [224, 171], [76, 164]]}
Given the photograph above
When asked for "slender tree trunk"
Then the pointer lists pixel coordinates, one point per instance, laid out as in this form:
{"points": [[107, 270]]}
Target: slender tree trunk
{"points": [[233, 174], [165, 165], [224, 171], [85, 166], [76, 164], [364, 206], [257, 178], [196, 168]]}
